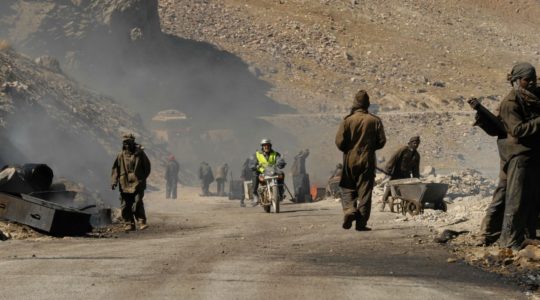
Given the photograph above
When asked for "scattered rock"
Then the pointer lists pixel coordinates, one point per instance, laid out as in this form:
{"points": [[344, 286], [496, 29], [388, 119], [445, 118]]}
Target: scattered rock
{"points": [[49, 62], [530, 252], [4, 237], [448, 235], [428, 170]]}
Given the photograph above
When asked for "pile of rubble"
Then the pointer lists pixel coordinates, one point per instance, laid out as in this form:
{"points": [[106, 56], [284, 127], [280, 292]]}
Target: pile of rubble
{"points": [[465, 183], [468, 197]]}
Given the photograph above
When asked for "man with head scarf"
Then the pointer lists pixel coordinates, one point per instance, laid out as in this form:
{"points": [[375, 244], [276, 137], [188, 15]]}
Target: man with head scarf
{"points": [[130, 170], [171, 177], [405, 163], [359, 135], [515, 213]]}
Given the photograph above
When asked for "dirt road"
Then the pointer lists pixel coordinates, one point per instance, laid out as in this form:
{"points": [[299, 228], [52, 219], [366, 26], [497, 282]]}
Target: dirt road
{"points": [[210, 248]]}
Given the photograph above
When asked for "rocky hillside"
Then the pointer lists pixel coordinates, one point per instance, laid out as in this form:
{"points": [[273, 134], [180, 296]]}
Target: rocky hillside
{"points": [[47, 117], [411, 55], [420, 61]]}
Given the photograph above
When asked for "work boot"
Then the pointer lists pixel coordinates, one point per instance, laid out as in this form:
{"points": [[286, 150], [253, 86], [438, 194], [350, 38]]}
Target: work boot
{"points": [[362, 228], [143, 225], [348, 220], [130, 227]]}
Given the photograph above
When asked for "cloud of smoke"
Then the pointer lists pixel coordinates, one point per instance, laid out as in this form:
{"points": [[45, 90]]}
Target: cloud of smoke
{"points": [[124, 54]]}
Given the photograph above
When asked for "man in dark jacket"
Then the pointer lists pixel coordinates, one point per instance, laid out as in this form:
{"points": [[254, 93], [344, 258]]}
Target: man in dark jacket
{"points": [[130, 171], [520, 161], [359, 135], [206, 176], [405, 163], [171, 177]]}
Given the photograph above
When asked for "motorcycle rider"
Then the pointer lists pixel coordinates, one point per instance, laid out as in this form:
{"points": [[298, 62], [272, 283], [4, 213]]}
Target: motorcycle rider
{"points": [[266, 157]]}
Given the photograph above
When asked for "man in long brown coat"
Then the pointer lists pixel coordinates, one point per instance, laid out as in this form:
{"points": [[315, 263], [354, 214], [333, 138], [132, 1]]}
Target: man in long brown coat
{"points": [[130, 170], [359, 135]]}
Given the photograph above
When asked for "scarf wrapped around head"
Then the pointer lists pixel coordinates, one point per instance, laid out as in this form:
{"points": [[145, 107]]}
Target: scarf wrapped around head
{"points": [[360, 102], [522, 70], [525, 70], [414, 139]]}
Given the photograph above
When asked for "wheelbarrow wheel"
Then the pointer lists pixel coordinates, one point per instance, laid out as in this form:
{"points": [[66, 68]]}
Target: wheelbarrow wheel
{"points": [[414, 208]]}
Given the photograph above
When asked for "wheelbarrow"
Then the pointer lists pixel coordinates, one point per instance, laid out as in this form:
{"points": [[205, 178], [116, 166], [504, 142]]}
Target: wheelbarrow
{"points": [[413, 196]]}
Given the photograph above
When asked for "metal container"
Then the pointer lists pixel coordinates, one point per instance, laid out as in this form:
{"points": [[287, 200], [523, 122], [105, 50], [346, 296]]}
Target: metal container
{"points": [[43, 215], [236, 189]]}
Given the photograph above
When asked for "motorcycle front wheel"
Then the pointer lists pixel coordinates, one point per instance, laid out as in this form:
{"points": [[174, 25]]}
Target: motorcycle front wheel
{"points": [[275, 199]]}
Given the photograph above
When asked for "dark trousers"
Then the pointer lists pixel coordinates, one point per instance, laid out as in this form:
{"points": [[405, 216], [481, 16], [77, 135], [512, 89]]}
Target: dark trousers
{"points": [[132, 207], [521, 207], [220, 187], [171, 188], [358, 201], [490, 229], [205, 188]]}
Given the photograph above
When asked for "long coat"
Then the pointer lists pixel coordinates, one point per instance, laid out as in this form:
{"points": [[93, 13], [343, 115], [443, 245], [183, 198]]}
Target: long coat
{"points": [[130, 170], [171, 171], [358, 137]]}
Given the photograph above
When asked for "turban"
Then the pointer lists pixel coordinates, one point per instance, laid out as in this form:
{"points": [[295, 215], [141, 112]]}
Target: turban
{"points": [[522, 70], [414, 139]]}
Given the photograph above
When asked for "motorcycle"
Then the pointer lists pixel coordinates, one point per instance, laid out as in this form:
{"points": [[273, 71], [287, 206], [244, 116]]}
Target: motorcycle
{"points": [[270, 189]]}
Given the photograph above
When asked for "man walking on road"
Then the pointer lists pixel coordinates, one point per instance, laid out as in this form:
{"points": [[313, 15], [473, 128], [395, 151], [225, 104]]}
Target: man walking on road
{"points": [[171, 177], [130, 171], [359, 135], [221, 178], [301, 183], [206, 176]]}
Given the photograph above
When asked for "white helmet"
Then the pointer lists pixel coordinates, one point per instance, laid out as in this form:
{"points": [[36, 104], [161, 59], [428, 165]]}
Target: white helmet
{"points": [[266, 141]]}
